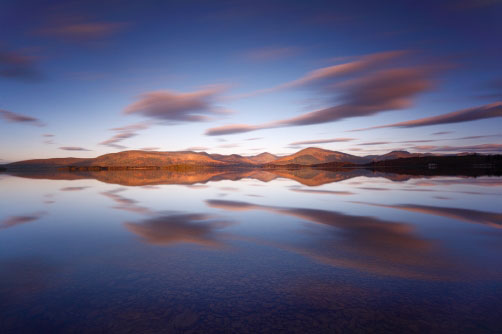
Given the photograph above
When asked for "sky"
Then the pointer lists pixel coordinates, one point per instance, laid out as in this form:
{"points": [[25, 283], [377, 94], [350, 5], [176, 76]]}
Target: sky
{"points": [[85, 78]]}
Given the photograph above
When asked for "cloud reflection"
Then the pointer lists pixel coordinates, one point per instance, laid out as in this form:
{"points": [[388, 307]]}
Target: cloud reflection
{"points": [[18, 220], [361, 243], [466, 215], [199, 229]]}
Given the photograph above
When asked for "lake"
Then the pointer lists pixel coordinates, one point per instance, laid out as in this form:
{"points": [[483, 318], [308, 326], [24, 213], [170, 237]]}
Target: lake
{"points": [[250, 251]]}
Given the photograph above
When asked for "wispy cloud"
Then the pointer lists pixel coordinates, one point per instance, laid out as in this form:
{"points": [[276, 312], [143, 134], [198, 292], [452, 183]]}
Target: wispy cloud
{"points": [[78, 27], [18, 118], [15, 65], [178, 107], [150, 148], [124, 132], [375, 143], [321, 141], [270, 53], [73, 148], [197, 148], [375, 90], [466, 115], [356, 66]]}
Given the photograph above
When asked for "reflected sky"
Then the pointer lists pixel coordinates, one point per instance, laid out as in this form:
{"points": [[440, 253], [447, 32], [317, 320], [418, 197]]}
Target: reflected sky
{"points": [[206, 250]]}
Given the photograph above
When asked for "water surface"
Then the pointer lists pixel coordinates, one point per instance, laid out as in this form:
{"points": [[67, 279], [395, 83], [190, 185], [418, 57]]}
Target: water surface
{"points": [[250, 251]]}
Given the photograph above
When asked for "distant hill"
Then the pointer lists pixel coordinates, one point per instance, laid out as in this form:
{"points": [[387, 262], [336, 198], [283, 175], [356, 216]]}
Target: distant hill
{"points": [[396, 155], [314, 155], [263, 158], [309, 157], [233, 159]]}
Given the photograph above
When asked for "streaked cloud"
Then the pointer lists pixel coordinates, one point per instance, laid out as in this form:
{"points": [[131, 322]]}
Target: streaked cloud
{"points": [[9, 116], [150, 148], [372, 92], [375, 143], [124, 132], [173, 106], [15, 65], [321, 141], [492, 110], [73, 148], [197, 148], [73, 27], [334, 71], [270, 53]]}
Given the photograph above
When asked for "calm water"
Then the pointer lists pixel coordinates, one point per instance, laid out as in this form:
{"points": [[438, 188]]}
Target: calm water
{"points": [[250, 252]]}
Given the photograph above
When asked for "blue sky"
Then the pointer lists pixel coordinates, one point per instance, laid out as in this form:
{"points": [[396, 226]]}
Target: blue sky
{"points": [[87, 78]]}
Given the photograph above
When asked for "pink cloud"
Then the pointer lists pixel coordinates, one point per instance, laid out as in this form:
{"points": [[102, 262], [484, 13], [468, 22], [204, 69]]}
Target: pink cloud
{"points": [[466, 115], [73, 148], [174, 106], [18, 118]]}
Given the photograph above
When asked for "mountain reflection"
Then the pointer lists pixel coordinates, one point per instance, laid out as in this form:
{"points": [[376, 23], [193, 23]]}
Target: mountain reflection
{"points": [[359, 242], [200, 229], [305, 176]]}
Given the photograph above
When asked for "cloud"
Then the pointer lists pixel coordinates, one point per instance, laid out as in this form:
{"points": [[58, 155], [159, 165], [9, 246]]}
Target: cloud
{"points": [[150, 148], [14, 65], [230, 145], [232, 129], [270, 53], [372, 93], [359, 65], [442, 133], [124, 132], [321, 141], [177, 107], [112, 142], [73, 148], [492, 110], [375, 143], [18, 118], [80, 28], [197, 148]]}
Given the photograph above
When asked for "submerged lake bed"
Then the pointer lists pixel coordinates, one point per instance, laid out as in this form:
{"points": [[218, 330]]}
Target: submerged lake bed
{"points": [[250, 251]]}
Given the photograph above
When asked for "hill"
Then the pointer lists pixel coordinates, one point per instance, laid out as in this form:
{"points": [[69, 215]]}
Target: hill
{"points": [[263, 158], [313, 156]]}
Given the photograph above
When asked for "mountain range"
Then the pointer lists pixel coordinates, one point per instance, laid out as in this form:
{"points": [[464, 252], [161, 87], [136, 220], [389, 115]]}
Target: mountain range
{"points": [[312, 157]]}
